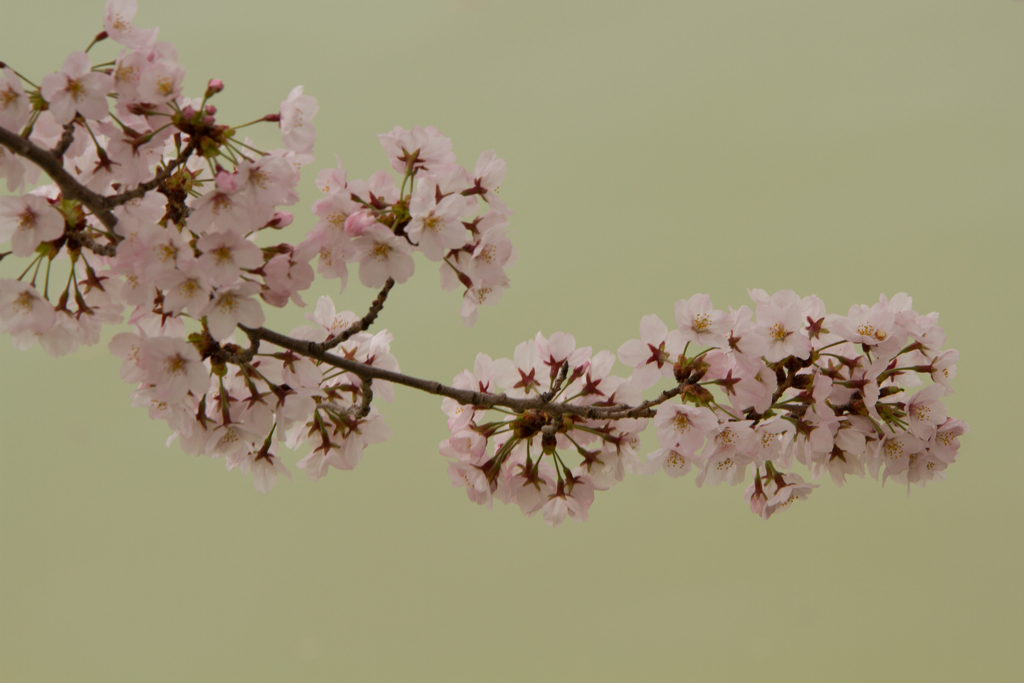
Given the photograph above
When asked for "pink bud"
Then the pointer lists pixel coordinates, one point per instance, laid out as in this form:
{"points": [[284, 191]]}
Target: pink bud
{"points": [[211, 110], [281, 219], [357, 223], [214, 86]]}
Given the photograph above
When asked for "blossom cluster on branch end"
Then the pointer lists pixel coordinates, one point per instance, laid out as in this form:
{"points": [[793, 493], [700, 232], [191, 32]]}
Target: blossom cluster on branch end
{"points": [[752, 395]]}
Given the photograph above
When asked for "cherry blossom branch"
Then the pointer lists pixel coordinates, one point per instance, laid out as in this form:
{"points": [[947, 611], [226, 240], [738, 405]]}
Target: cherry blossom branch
{"points": [[196, 260], [54, 167], [463, 396]]}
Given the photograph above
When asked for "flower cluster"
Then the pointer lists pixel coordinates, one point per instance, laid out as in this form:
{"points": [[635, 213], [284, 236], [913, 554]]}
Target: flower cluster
{"points": [[759, 392], [233, 412], [516, 458], [378, 225]]}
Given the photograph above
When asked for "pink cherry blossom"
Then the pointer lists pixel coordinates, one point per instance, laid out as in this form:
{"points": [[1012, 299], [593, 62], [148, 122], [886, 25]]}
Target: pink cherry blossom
{"points": [[793, 488], [358, 222], [683, 427], [232, 306], [332, 180], [558, 349], [287, 274], [271, 180], [173, 367], [23, 308], [15, 108], [77, 89], [781, 326], [383, 255], [945, 443], [674, 463], [943, 369], [297, 113], [866, 325], [16, 172], [465, 474], [895, 453], [488, 175], [226, 206], [572, 498], [225, 254], [263, 464], [700, 324], [421, 149], [156, 251], [527, 373], [435, 224], [727, 454], [160, 82], [532, 485], [117, 22], [493, 252], [128, 347], [653, 355], [185, 288], [27, 221], [926, 411]]}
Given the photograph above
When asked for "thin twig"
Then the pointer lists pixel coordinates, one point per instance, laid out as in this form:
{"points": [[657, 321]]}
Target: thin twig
{"points": [[364, 404], [363, 323]]}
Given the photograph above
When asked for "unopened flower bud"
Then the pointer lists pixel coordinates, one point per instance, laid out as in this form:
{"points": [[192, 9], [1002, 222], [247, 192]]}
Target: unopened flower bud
{"points": [[281, 219], [357, 223], [213, 87]]}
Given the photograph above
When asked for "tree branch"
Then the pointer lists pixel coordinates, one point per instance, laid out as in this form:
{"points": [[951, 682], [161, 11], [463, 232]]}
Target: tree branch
{"points": [[463, 396], [65, 140]]}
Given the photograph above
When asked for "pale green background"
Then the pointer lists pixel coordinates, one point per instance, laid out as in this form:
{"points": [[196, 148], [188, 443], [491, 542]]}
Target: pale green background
{"points": [[836, 148]]}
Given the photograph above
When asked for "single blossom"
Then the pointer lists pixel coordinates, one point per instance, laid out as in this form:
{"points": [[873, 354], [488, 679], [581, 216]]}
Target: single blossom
{"points": [[117, 22], [15, 108], [297, 113], [698, 323], [173, 367], [383, 256], [232, 306], [23, 308], [419, 149], [76, 89], [28, 221]]}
